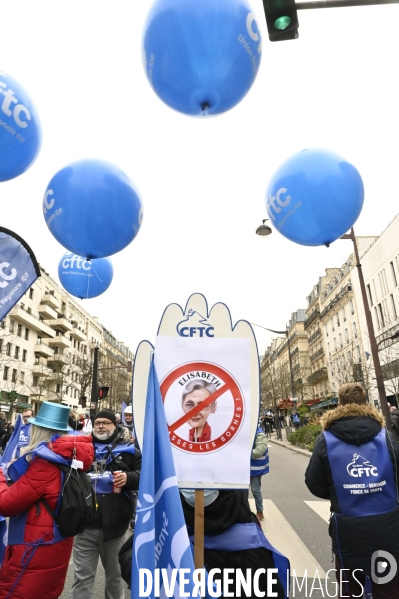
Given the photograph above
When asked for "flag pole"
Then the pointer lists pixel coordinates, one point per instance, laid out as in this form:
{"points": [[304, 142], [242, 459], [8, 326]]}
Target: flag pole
{"points": [[199, 529]]}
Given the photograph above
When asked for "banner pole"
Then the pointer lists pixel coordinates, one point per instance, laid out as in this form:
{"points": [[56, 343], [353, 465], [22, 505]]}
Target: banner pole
{"points": [[199, 516]]}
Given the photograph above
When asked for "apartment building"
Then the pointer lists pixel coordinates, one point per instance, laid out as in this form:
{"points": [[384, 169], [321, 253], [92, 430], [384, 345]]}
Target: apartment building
{"points": [[46, 346]]}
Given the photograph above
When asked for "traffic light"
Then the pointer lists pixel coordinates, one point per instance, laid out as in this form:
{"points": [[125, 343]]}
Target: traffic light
{"points": [[102, 392], [282, 19]]}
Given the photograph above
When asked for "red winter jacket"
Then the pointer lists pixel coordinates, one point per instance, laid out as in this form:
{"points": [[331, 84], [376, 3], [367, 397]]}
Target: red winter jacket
{"points": [[46, 565]]}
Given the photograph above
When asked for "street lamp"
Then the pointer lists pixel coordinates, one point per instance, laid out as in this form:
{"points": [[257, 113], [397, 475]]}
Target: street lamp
{"points": [[371, 333], [263, 229]]}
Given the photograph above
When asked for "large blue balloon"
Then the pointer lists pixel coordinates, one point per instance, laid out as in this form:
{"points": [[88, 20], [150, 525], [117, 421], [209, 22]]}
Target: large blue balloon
{"points": [[83, 278], [201, 57], [92, 208], [20, 134], [314, 197]]}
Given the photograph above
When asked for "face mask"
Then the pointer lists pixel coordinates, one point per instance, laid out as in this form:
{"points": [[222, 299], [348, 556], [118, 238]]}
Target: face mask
{"points": [[209, 496]]}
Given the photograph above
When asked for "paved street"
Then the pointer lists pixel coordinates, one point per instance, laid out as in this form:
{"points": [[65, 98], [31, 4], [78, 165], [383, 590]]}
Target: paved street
{"points": [[295, 523]]}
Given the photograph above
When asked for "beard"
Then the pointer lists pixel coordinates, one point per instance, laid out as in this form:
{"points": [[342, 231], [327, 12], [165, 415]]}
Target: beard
{"points": [[103, 436]]}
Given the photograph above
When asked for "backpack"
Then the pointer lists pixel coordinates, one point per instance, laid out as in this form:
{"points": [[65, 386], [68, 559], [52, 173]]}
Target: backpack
{"points": [[76, 506]]}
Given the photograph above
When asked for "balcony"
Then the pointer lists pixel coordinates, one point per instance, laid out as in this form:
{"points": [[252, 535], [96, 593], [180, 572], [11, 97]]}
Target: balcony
{"points": [[60, 324], [336, 299], [317, 354], [43, 350], [52, 301], [40, 368], [78, 334], [314, 335], [311, 319], [59, 341], [59, 358], [317, 376], [29, 320], [47, 311], [38, 393]]}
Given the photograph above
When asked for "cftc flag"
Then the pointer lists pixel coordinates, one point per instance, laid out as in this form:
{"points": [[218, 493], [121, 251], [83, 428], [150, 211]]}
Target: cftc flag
{"points": [[18, 269], [160, 535]]}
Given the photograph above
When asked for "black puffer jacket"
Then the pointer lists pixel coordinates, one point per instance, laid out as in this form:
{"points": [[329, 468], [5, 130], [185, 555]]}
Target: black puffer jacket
{"points": [[115, 510], [354, 539]]}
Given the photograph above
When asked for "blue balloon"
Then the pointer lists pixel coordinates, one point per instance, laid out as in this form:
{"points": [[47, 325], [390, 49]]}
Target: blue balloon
{"points": [[201, 57], [92, 208], [314, 197], [85, 278], [20, 133]]}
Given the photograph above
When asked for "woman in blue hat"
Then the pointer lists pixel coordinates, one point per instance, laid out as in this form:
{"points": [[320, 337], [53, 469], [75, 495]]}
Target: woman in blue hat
{"points": [[37, 556]]}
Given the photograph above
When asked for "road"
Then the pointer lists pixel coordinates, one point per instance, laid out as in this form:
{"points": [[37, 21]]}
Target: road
{"points": [[295, 523]]}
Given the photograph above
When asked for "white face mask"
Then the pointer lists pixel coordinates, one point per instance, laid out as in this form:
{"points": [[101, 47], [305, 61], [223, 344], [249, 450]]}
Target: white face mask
{"points": [[209, 496]]}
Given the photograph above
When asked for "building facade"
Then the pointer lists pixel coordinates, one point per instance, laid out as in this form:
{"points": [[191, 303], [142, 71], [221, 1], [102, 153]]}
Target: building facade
{"points": [[46, 349]]}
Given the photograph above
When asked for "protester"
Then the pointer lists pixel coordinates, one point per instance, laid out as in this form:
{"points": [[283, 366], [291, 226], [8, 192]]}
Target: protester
{"points": [[23, 439], [128, 420], [259, 467], [295, 419], [356, 453], [115, 473], [394, 413], [74, 421], [37, 556], [84, 420], [227, 513]]}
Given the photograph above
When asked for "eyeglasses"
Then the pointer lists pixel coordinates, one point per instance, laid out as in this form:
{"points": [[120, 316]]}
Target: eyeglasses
{"points": [[105, 424]]}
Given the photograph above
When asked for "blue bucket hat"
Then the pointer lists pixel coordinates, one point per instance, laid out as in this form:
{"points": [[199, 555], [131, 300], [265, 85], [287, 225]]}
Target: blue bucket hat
{"points": [[52, 415]]}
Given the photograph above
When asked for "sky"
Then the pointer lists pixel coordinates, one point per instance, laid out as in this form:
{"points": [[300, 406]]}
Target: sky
{"points": [[202, 181]]}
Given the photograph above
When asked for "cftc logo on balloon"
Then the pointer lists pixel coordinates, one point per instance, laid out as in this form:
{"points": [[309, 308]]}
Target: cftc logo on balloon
{"points": [[315, 197], [92, 208], [20, 134], [201, 58], [85, 278]]}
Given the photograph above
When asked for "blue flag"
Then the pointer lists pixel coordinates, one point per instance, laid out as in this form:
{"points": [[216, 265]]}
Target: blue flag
{"points": [[12, 445], [18, 269], [160, 535]]}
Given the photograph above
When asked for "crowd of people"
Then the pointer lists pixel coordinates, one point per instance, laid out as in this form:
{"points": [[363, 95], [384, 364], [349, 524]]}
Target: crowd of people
{"points": [[354, 441]]}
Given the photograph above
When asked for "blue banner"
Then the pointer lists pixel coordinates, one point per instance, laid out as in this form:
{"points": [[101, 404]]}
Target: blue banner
{"points": [[18, 270], [160, 536]]}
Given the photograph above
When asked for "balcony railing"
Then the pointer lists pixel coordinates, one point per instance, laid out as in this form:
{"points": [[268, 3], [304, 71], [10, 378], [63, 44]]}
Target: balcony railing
{"points": [[311, 319], [319, 375], [314, 335], [317, 354], [336, 299]]}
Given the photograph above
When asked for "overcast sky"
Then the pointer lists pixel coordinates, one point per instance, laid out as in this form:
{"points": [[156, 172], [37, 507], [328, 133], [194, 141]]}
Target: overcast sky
{"points": [[202, 181]]}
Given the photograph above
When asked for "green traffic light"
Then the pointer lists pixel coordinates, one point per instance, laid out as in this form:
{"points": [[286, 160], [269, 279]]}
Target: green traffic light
{"points": [[282, 23]]}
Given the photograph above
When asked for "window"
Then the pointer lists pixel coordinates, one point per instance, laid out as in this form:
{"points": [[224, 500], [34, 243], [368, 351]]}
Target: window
{"points": [[352, 309], [349, 357], [16, 353], [19, 330], [359, 358], [328, 349], [343, 315], [354, 327], [381, 315], [12, 325], [395, 282], [58, 388], [370, 295], [338, 323], [35, 381], [346, 336], [30, 293], [39, 340], [22, 377], [24, 352], [14, 375], [8, 349], [393, 307], [340, 340], [335, 344], [26, 333], [5, 373], [3, 323]]}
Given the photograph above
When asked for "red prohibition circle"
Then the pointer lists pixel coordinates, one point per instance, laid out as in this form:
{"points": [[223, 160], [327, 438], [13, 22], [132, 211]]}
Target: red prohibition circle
{"points": [[230, 385]]}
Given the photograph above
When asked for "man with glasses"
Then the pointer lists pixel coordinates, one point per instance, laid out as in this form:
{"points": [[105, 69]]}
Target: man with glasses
{"points": [[115, 474]]}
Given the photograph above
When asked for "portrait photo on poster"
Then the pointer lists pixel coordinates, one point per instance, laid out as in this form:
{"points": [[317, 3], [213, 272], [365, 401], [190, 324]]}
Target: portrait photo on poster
{"points": [[205, 387]]}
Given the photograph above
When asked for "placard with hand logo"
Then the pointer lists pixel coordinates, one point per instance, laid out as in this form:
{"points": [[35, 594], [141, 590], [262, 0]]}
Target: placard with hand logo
{"points": [[18, 269]]}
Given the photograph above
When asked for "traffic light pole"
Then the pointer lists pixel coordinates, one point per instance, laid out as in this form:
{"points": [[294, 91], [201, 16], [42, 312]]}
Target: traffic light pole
{"points": [[340, 3], [94, 385]]}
